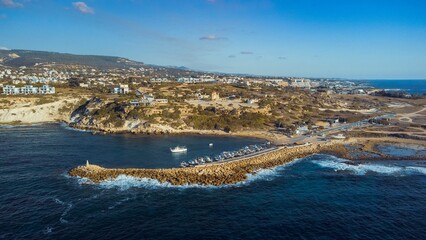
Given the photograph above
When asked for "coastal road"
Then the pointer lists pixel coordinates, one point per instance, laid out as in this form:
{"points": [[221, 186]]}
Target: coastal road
{"points": [[343, 127]]}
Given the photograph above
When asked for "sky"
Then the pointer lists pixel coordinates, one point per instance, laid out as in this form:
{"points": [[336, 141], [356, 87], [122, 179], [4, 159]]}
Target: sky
{"points": [[355, 39]]}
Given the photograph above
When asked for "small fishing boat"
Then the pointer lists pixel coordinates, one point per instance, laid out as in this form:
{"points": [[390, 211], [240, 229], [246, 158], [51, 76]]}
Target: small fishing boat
{"points": [[210, 144], [178, 149]]}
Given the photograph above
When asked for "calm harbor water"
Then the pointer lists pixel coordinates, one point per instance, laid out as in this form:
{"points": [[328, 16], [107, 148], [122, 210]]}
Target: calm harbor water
{"points": [[319, 197]]}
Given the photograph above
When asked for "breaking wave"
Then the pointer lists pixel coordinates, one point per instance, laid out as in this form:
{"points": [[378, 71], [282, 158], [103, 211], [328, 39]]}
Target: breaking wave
{"points": [[68, 207], [67, 127], [338, 164]]}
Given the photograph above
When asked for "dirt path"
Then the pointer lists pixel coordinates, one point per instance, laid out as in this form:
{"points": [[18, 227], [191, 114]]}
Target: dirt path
{"points": [[408, 117]]}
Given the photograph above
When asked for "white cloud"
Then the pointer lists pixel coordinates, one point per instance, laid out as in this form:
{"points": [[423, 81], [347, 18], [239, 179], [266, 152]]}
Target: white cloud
{"points": [[4, 48], [10, 4], [83, 8], [212, 38]]}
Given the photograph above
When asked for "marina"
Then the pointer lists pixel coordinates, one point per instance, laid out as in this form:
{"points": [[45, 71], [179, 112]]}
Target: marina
{"points": [[227, 156]]}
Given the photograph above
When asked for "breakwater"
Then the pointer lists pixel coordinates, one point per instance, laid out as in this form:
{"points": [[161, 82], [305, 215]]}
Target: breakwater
{"points": [[218, 174], [237, 171]]}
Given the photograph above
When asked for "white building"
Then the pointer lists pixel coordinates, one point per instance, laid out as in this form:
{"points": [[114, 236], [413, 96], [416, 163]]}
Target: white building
{"points": [[45, 89], [300, 82], [28, 89], [302, 130], [121, 89], [11, 90]]}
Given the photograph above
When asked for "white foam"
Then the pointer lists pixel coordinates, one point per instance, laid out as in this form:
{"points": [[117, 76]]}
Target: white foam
{"points": [[363, 168], [120, 202], [67, 127], [124, 182], [59, 201], [69, 207], [7, 126], [48, 230], [420, 170]]}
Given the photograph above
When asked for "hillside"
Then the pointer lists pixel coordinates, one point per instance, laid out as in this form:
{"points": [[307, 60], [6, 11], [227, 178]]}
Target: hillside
{"points": [[28, 58]]}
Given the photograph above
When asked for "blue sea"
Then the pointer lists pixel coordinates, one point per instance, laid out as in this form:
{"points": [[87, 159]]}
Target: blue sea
{"points": [[409, 86], [318, 197]]}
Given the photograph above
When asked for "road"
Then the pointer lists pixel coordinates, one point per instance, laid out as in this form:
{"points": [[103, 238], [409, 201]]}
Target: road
{"points": [[343, 127]]}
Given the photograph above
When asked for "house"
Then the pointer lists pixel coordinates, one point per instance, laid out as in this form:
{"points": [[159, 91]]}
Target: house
{"points": [[135, 103], [252, 101], [332, 120], [45, 89], [302, 130], [121, 89], [148, 98]]}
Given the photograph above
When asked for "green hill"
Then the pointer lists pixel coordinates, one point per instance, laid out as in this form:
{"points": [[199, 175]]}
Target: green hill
{"points": [[17, 58]]}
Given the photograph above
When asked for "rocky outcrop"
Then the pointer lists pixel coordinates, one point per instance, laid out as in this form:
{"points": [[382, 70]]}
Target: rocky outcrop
{"points": [[37, 113], [111, 117]]}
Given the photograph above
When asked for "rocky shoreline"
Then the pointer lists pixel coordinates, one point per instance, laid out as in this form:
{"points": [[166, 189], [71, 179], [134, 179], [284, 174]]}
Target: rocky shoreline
{"points": [[263, 135]]}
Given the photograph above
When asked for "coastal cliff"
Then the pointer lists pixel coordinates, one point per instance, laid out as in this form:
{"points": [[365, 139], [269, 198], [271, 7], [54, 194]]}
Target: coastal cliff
{"points": [[33, 110]]}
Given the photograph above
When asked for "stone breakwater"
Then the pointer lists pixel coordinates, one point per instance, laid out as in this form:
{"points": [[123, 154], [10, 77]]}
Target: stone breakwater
{"points": [[237, 171], [219, 174]]}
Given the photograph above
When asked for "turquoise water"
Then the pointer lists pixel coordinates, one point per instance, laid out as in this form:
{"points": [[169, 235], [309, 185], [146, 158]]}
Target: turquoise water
{"points": [[319, 197]]}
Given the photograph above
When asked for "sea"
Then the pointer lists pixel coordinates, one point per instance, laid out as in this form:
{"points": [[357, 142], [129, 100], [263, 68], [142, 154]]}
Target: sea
{"points": [[407, 85], [317, 197]]}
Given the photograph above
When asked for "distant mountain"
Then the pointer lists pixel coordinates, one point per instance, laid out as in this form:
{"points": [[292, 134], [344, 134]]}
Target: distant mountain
{"points": [[180, 68], [29, 58]]}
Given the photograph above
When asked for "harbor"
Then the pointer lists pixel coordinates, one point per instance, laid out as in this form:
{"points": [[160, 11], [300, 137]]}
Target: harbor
{"points": [[227, 156]]}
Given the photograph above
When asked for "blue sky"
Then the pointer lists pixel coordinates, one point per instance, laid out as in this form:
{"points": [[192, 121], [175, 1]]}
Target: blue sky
{"points": [[362, 39]]}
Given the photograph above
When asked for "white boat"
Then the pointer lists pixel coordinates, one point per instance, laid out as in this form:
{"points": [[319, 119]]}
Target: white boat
{"points": [[178, 149], [210, 144]]}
